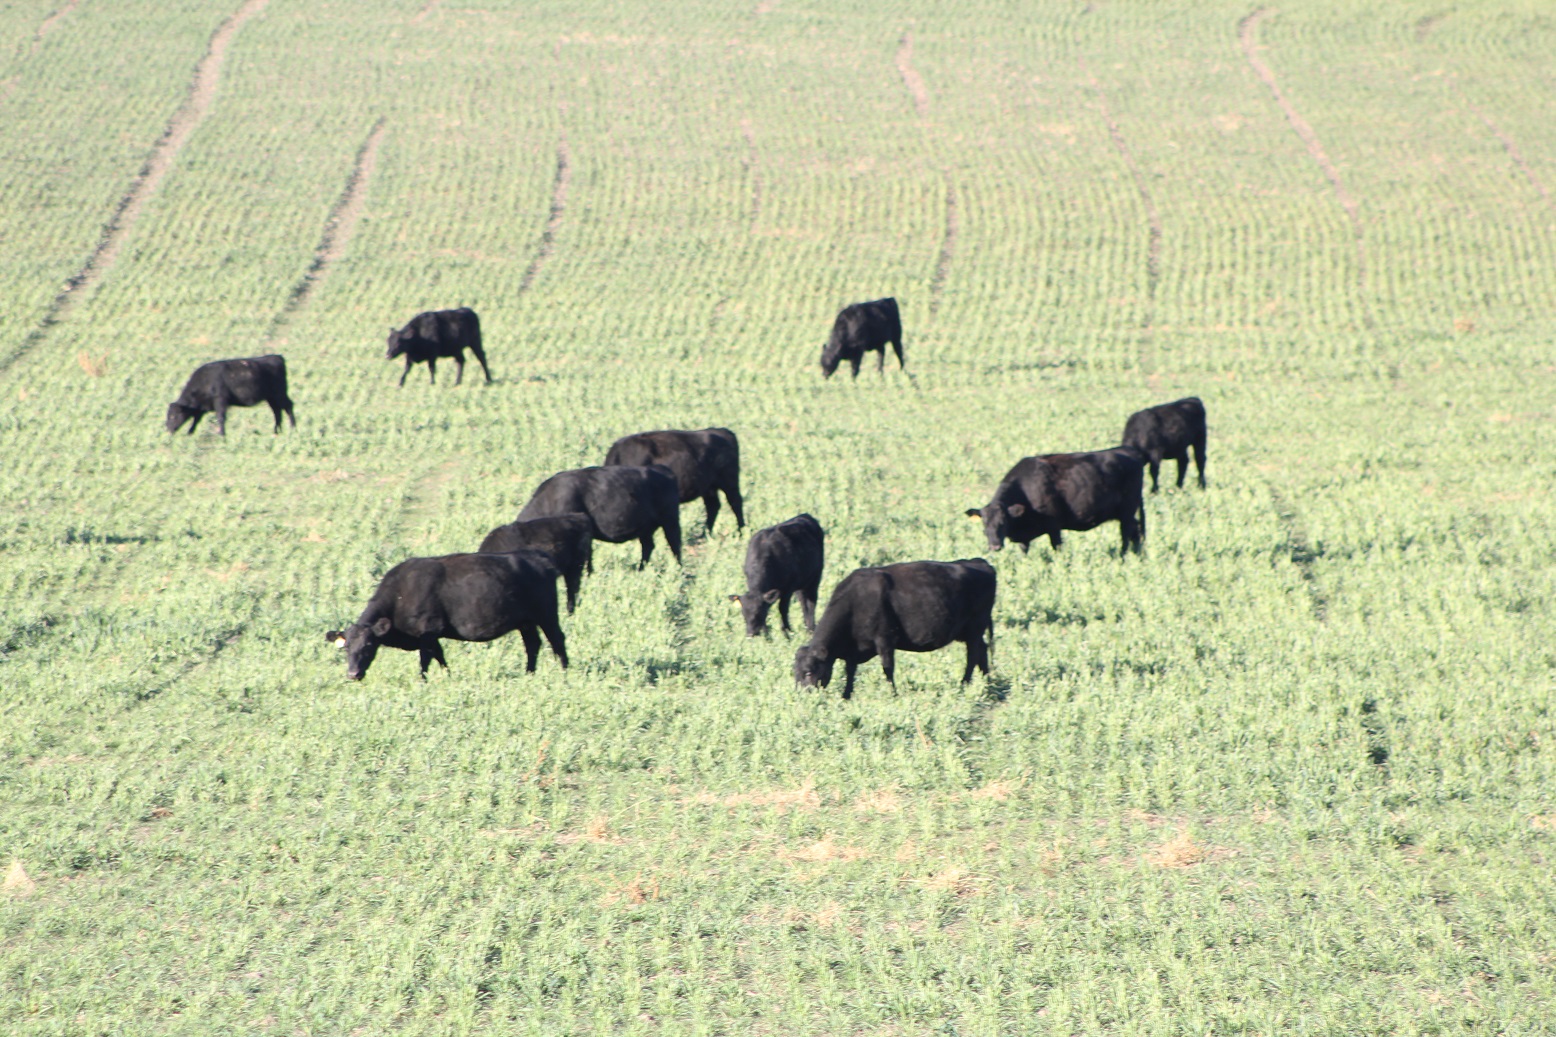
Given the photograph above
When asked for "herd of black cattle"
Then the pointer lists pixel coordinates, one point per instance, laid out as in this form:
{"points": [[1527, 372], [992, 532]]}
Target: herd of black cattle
{"points": [[509, 583]]}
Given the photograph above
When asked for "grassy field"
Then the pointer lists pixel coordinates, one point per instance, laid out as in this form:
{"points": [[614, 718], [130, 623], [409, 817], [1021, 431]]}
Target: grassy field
{"points": [[1291, 771]]}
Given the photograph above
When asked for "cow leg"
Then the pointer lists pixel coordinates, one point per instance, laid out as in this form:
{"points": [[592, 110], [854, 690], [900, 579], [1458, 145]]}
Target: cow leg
{"points": [[850, 667], [854, 363], [973, 644], [808, 607], [647, 543], [897, 345], [1199, 460], [221, 416], [431, 651], [710, 505], [1183, 467], [783, 614], [405, 372], [275, 408], [1129, 531], [888, 653], [287, 406], [553, 631], [432, 369], [572, 578], [880, 361], [736, 504], [672, 528], [531, 636], [198, 415], [1055, 538], [480, 355], [1155, 467], [459, 370]]}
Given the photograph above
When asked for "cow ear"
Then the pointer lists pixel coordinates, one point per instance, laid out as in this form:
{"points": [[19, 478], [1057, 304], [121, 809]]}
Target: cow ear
{"points": [[1017, 510], [336, 638], [770, 596], [975, 513], [382, 626]]}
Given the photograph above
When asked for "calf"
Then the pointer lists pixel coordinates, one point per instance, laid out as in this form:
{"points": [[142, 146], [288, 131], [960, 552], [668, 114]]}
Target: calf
{"points": [[703, 464], [781, 561], [1043, 495], [911, 606], [1168, 431], [861, 328], [463, 597], [567, 540], [625, 502], [232, 383], [439, 333]]}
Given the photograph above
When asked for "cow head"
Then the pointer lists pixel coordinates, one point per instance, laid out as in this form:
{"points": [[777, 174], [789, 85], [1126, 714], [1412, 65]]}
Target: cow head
{"points": [[812, 667], [177, 414], [996, 521], [754, 608], [361, 643], [831, 356], [396, 343]]}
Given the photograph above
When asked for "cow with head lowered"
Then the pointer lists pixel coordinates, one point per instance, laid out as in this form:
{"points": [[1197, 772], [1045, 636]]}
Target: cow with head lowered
{"points": [[232, 383], [566, 540], [1169, 431], [860, 328], [623, 502], [1041, 496], [439, 333], [704, 463], [460, 597], [782, 561], [909, 607]]}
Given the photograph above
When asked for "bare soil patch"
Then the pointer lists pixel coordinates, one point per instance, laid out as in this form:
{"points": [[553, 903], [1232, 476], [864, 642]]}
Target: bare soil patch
{"points": [[564, 173]]}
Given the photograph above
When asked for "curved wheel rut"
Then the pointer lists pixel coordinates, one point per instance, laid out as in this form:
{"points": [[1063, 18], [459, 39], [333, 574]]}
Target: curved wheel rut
{"points": [[564, 174]]}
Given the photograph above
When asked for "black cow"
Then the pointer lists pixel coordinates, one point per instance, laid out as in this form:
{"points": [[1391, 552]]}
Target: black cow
{"points": [[1168, 431], [463, 597], [436, 333], [625, 502], [1043, 495], [232, 383], [703, 463], [911, 606], [859, 329], [782, 560], [568, 540]]}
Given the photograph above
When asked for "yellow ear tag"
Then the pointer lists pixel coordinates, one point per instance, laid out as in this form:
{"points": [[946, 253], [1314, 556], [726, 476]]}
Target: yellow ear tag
{"points": [[976, 518], [340, 642]]}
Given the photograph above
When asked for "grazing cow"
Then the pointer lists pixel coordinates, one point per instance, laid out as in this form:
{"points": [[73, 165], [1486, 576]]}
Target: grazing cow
{"points": [[463, 597], [703, 464], [435, 333], [567, 540], [911, 606], [1168, 431], [1043, 495], [859, 329], [782, 560], [232, 383], [623, 502]]}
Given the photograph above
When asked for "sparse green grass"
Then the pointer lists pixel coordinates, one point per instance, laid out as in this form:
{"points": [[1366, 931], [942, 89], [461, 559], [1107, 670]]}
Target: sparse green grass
{"points": [[1289, 772]]}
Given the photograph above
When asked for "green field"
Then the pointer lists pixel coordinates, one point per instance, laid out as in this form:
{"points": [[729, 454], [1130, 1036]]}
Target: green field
{"points": [[1293, 770]]}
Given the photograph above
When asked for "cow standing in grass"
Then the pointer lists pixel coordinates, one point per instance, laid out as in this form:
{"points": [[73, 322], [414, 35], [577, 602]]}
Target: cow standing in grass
{"points": [[625, 502], [461, 597], [703, 463], [232, 383], [782, 561], [439, 333], [567, 540], [1041, 496], [861, 328], [1169, 430], [910, 607]]}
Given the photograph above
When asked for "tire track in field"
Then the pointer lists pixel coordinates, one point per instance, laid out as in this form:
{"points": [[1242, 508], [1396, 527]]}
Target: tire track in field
{"points": [[46, 26], [1153, 257], [559, 184], [1508, 145], [1247, 35], [338, 227], [1301, 553], [920, 95], [428, 10], [973, 729], [186, 119], [753, 173], [1425, 26]]}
